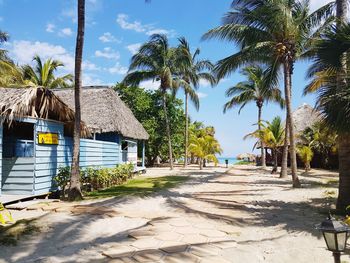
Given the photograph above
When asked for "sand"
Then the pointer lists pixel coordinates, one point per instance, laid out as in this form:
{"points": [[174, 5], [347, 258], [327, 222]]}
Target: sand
{"points": [[243, 215]]}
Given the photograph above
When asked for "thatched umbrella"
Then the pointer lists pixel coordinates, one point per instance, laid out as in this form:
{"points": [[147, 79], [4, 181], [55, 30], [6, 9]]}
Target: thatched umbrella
{"points": [[35, 102]]}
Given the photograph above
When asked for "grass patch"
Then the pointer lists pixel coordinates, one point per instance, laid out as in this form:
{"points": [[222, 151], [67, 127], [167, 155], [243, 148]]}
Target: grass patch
{"points": [[9, 235], [244, 163], [141, 186]]}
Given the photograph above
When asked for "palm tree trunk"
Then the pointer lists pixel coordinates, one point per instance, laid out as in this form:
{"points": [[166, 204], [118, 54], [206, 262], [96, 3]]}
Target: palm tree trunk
{"points": [[275, 162], [200, 164], [167, 126], [74, 192], [341, 11], [288, 96], [344, 172], [344, 139], [263, 157], [284, 164], [186, 129]]}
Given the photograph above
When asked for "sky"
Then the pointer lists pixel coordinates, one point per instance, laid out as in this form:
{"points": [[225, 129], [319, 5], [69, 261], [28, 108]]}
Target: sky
{"points": [[114, 32]]}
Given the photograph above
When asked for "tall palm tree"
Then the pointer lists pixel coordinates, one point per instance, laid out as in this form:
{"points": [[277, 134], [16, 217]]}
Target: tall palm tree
{"points": [[259, 88], [273, 31], [157, 61], [333, 96], [74, 192], [195, 71], [42, 74]]}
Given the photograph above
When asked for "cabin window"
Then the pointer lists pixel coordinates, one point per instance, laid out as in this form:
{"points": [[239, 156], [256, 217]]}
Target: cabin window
{"points": [[125, 146], [18, 140]]}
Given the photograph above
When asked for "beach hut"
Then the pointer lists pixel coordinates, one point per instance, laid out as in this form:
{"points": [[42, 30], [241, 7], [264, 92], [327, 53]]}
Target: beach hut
{"points": [[36, 136], [304, 116], [33, 123], [110, 120]]}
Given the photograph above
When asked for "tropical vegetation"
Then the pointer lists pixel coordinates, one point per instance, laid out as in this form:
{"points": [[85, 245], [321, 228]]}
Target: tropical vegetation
{"points": [[193, 72], [260, 88], [275, 32], [157, 61], [203, 144]]}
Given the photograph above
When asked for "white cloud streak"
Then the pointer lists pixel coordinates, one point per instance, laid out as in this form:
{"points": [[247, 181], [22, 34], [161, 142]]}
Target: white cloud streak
{"points": [[107, 37], [108, 53], [137, 26], [50, 28], [134, 48]]}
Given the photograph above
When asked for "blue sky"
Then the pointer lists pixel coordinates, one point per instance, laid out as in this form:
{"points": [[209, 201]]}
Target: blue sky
{"points": [[115, 29]]}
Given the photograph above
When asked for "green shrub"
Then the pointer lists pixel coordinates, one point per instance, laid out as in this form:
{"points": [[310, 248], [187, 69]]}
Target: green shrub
{"points": [[62, 179], [95, 178]]}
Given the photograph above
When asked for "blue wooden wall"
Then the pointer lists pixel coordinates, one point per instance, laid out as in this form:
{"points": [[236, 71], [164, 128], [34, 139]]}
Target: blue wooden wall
{"points": [[49, 158]]}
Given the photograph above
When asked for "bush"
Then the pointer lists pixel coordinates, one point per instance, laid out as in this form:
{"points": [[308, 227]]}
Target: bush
{"points": [[95, 178]]}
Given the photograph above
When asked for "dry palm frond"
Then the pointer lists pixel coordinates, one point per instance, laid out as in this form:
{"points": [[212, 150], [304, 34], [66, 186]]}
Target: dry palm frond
{"points": [[35, 102]]}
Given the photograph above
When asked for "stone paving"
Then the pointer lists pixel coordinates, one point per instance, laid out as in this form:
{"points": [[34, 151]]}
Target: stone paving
{"points": [[215, 217]]}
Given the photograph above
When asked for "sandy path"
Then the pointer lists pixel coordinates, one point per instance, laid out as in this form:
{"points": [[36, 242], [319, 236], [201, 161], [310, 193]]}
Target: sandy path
{"points": [[245, 215]]}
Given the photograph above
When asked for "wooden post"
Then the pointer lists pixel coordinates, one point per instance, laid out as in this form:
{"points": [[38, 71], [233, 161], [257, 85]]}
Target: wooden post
{"points": [[143, 153]]}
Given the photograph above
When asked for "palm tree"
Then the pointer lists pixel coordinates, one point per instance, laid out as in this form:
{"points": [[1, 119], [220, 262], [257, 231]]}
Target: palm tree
{"points": [[42, 74], [306, 154], [259, 88], [195, 71], [272, 134], [157, 61], [205, 148], [333, 96], [74, 192], [271, 31]]}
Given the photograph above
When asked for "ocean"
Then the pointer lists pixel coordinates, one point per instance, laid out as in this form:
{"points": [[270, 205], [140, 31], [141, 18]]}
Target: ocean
{"points": [[231, 160]]}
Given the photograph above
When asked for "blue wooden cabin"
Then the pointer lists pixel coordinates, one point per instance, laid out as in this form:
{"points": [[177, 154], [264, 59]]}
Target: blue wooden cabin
{"points": [[36, 137]]}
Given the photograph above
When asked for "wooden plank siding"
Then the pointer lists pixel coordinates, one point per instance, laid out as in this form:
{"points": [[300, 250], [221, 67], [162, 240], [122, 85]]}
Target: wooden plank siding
{"points": [[49, 158], [34, 175]]}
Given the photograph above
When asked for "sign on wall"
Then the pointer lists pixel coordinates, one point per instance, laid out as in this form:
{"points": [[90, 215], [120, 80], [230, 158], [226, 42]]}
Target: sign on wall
{"points": [[47, 138]]}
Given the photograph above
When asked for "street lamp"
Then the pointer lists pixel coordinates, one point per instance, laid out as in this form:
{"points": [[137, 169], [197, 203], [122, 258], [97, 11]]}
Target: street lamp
{"points": [[335, 234]]}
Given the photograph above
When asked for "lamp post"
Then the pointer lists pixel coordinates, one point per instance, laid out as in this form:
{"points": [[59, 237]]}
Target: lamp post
{"points": [[335, 234]]}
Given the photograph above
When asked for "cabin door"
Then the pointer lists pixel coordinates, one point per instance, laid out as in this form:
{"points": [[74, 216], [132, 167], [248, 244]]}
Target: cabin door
{"points": [[18, 159]]}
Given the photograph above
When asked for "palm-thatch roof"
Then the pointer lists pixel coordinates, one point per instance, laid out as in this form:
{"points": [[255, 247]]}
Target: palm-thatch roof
{"points": [[35, 102], [103, 111], [305, 116], [246, 156]]}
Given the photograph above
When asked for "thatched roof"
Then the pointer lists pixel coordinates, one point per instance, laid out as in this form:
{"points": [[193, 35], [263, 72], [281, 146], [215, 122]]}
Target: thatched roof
{"points": [[103, 111], [35, 102], [305, 116], [249, 156]]}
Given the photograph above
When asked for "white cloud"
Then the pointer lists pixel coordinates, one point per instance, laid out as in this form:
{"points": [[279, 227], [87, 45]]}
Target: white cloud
{"points": [[70, 13], [123, 22], [169, 33], [202, 95], [150, 85], [204, 83], [108, 53], [315, 4], [118, 69], [23, 52], [108, 37], [91, 80], [65, 32], [134, 48], [50, 28]]}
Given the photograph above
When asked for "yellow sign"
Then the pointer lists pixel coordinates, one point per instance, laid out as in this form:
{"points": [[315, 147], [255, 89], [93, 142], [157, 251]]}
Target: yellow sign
{"points": [[47, 138]]}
